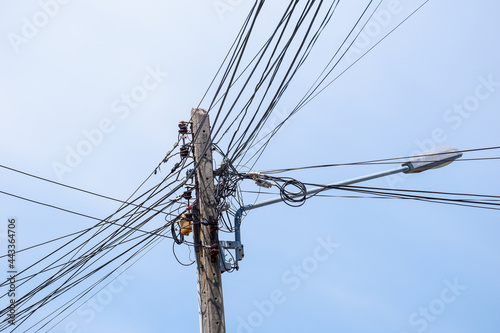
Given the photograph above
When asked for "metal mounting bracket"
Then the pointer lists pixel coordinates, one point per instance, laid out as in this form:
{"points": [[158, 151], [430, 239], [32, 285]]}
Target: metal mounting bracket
{"points": [[226, 245]]}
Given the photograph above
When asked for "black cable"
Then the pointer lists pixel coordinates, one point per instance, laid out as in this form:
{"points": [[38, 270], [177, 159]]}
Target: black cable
{"points": [[282, 86], [393, 160], [293, 198], [158, 240], [64, 185], [312, 42], [78, 265], [236, 40], [72, 212], [157, 213], [390, 192], [151, 235], [55, 295], [362, 56], [177, 239], [302, 104], [240, 52], [176, 258]]}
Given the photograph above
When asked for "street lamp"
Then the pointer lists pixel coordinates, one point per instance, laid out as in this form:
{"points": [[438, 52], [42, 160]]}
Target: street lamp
{"points": [[431, 159]]}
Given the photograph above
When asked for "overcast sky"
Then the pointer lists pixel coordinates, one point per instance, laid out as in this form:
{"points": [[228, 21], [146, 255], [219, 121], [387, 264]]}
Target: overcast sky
{"points": [[333, 265]]}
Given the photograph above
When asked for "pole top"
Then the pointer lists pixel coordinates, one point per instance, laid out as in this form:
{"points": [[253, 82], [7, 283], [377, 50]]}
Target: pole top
{"points": [[198, 110]]}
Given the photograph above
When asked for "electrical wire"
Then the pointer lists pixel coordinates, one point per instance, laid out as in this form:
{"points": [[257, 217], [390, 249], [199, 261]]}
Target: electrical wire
{"points": [[311, 95], [392, 160], [64, 185]]}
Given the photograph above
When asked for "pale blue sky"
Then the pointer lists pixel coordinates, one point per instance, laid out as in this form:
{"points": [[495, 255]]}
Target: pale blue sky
{"points": [[396, 257]]}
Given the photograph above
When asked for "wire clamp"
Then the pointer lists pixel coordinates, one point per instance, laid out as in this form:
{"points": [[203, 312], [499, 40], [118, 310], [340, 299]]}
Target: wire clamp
{"points": [[264, 183], [255, 175]]}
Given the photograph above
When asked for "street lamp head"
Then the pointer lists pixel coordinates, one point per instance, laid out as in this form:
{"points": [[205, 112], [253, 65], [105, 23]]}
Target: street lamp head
{"points": [[432, 159]]}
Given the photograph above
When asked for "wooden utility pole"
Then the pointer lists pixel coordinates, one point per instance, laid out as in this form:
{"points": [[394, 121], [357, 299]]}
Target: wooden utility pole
{"points": [[205, 229]]}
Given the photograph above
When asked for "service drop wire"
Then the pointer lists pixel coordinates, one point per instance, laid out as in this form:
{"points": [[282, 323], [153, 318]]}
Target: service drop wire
{"points": [[309, 98], [266, 72], [237, 48], [392, 160], [240, 55], [62, 289], [103, 222], [126, 202], [240, 145], [216, 131], [328, 16], [467, 202], [62, 273], [44, 301], [134, 200], [82, 294], [86, 291], [79, 246], [299, 196]]}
